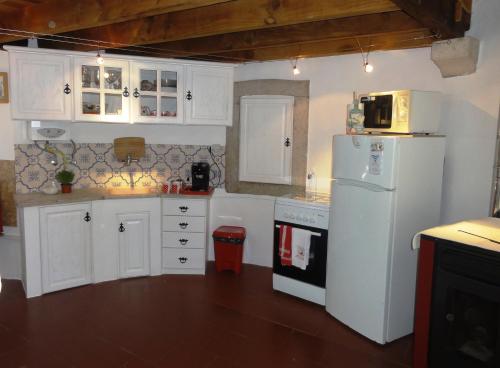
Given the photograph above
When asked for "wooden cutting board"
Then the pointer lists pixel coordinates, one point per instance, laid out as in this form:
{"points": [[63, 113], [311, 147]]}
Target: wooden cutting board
{"points": [[133, 146]]}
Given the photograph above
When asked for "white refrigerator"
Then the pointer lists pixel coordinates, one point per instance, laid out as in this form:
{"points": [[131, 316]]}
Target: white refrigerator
{"points": [[385, 188]]}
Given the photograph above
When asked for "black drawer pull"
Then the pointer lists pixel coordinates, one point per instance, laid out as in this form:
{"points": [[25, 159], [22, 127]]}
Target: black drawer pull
{"points": [[183, 225], [183, 241], [183, 208], [183, 260]]}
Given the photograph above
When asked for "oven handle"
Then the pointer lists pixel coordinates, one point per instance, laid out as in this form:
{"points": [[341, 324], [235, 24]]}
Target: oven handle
{"points": [[312, 233]]}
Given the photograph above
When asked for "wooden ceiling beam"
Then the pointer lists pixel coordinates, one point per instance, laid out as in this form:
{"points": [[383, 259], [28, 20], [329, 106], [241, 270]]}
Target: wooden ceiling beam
{"points": [[73, 15], [282, 36], [437, 16], [390, 41], [235, 16]]}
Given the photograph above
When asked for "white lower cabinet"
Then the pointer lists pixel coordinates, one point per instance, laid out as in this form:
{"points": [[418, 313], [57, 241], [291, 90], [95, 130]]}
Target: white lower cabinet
{"points": [[65, 246], [184, 235], [69, 245], [126, 238], [134, 244]]}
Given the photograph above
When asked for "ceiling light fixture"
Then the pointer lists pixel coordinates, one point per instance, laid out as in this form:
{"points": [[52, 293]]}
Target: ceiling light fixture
{"points": [[100, 59], [296, 71], [33, 42], [367, 67]]}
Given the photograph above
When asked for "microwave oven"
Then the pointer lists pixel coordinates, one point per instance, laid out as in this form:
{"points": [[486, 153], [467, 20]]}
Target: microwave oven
{"points": [[404, 112]]}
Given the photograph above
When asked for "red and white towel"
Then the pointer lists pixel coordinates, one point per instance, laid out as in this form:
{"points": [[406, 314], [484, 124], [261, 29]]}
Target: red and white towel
{"points": [[294, 246], [285, 249], [301, 243]]}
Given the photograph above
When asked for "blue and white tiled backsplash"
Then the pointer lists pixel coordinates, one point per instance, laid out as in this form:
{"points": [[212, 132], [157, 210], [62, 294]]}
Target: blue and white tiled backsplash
{"points": [[95, 165]]}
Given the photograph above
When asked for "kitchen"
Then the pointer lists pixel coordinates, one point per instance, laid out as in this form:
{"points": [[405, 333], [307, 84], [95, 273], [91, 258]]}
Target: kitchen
{"points": [[469, 120]]}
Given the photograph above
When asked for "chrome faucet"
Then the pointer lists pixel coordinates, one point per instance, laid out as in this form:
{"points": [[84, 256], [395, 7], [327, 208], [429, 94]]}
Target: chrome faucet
{"points": [[130, 159], [131, 174]]}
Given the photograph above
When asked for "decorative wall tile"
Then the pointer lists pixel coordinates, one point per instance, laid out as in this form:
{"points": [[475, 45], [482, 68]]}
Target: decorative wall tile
{"points": [[95, 165]]}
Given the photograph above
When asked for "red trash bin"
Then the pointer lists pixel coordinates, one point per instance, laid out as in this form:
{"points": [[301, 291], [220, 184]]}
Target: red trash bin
{"points": [[228, 246]]}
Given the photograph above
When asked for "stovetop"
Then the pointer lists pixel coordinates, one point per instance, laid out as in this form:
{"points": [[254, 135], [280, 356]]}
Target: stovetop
{"points": [[308, 210], [318, 200]]}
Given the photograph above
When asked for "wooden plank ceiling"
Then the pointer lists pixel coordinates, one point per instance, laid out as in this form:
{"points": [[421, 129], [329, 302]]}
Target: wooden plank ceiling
{"points": [[233, 30]]}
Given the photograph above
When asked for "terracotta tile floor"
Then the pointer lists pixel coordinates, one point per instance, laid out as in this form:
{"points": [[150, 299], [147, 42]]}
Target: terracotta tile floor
{"points": [[220, 320]]}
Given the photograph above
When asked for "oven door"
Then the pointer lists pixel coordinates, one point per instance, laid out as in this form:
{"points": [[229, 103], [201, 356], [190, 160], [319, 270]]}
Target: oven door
{"points": [[315, 273]]}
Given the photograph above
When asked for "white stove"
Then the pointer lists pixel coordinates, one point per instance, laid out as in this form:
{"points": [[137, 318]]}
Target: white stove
{"points": [[312, 211], [309, 212]]}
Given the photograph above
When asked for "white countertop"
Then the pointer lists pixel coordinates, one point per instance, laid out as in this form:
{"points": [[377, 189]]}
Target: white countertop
{"points": [[483, 233]]}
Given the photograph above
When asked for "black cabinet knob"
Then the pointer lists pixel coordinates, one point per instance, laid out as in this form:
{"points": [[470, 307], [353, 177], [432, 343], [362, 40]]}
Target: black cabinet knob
{"points": [[67, 90], [121, 228], [183, 225], [183, 241], [183, 259], [189, 96], [126, 93], [183, 208], [136, 93]]}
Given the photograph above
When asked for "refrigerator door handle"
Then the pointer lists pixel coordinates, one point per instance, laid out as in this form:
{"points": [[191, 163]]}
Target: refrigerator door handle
{"points": [[361, 184]]}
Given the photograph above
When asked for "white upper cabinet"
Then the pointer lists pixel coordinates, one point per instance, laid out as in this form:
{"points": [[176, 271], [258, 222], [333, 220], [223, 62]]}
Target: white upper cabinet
{"points": [[102, 92], [266, 129], [156, 93], [209, 95], [41, 86], [71, 86], [65, 234]]}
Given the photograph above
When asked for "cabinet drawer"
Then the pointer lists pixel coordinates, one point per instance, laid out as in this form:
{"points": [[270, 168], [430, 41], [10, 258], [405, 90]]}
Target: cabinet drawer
{"points": [[183, 240], [183, 258], [184, 207], [184, 224]]}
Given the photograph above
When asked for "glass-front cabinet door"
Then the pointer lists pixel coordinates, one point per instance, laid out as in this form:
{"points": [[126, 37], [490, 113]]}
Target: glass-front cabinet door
{"points": [[103, 90], [156, 93]]}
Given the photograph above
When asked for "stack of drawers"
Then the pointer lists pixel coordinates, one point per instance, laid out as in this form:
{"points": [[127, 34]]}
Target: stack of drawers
{"points": [[184, 235]]}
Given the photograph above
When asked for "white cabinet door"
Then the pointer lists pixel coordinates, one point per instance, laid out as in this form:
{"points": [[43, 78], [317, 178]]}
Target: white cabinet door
{"points": [[41, 86], [102, 92], [209, 95], [136, 250], [266, 129], [156, 93], [65, 246], [134, 244]]}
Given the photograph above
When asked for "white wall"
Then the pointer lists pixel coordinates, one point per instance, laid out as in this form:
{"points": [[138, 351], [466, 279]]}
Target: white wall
{"points": [[469, 119], [470, 122], [255, 213], [153, 134]]}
